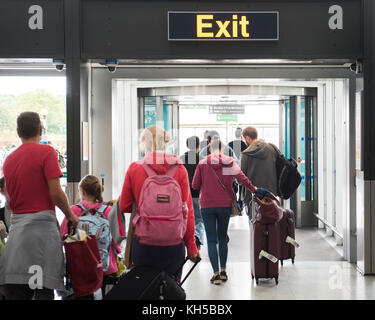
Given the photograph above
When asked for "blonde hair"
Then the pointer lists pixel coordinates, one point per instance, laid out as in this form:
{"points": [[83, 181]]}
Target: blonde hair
{"points": [[155, 139], [92, 186]]}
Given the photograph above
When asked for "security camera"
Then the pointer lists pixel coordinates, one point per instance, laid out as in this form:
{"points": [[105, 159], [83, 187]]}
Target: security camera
{"points": [[59, 64], [356, 67], [111, 64]]}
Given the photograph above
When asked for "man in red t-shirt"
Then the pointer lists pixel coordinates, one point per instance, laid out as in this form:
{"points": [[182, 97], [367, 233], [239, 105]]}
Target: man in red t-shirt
{"points": [[32, 184]]}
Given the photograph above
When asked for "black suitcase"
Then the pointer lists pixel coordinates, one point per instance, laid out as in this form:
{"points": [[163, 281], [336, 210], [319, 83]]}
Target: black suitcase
{"points": [[148, 283]]}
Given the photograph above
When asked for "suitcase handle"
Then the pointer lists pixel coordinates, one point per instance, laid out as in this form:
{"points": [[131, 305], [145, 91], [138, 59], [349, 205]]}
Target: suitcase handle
{"points": [[190, 271], [71, 230]]}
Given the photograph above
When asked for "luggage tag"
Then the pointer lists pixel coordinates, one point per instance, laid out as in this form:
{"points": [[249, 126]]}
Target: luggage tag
{"points": [[292, 241], [267, 256]]}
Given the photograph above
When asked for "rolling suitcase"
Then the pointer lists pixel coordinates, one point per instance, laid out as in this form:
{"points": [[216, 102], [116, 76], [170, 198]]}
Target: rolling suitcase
{"points": [[148, 283], [264, 251], [287, 236]]}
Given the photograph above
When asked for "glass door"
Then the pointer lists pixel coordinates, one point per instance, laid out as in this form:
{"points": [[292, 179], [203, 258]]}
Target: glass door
{"points": [[300, 137], [155, 110]]}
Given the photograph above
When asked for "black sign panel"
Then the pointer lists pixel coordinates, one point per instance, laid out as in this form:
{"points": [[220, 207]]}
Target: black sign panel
{"points": [[248, 26]]}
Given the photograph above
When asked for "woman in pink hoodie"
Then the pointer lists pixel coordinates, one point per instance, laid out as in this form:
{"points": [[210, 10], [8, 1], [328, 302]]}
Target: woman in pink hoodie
{"points": [[216, 202]]}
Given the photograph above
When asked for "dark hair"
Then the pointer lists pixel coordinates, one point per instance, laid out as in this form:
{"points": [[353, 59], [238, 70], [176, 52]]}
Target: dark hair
{"points": [[2, 183], [205, 134], [250, 132], [28, 124], [212, 134], [92, 186], [237, 133], [216, 143], [192, 142]]}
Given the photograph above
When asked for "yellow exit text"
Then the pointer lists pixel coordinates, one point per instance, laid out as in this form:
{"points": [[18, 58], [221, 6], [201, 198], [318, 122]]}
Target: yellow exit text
{"points": [[205, 24]]}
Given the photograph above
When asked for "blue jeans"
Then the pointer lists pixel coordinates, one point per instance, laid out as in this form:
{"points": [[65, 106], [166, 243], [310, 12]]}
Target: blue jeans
{"points": [[199, 225], [216, 221]]}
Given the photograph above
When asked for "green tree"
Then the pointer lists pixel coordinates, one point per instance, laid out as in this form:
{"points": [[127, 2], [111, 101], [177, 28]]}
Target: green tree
{"points": [[5, 119], [39, 100]]}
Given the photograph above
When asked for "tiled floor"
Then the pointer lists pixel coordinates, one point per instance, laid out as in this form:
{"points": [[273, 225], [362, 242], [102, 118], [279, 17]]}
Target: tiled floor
{"points": [[319, 272]]}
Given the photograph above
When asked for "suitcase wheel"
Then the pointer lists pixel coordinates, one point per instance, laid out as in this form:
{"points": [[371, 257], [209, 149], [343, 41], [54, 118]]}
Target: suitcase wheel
{"points": [[257, 281], [282, 262], [277, 280], [293, 260]]}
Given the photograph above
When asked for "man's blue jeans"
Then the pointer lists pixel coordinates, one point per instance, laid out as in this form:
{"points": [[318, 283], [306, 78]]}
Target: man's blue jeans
{"points": [[216, 221], [199, 225]]}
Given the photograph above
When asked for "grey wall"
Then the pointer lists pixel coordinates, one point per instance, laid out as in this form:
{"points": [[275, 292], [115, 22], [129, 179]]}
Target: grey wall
{"points": [[19, 41], [138, 30]]}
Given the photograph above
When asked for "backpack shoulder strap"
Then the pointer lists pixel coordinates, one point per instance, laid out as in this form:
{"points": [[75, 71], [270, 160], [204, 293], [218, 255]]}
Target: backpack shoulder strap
{"points": [[149, 171], [83, 208], [172, 170], [80, 205], [102, 209], [278, 152]]}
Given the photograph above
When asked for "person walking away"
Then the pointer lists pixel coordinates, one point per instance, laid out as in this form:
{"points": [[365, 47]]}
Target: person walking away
{"points": [[5, 212], [207, 150], [216, 202], [91, 195], [258, 163], [32, 185], [170, 258], [190, 160], [238, 145], [204, 142]]}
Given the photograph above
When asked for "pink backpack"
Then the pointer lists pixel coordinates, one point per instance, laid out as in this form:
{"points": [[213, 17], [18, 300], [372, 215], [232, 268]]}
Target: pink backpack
{"points": [[161, 216]]}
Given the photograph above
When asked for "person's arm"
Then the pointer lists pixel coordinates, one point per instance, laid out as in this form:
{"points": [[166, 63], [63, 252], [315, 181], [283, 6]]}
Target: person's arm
{"points": [[52, 174], [127, 198], [197, 179], [242, 179], [64, 225], [189, 239], [6, 195], [60, 200]]}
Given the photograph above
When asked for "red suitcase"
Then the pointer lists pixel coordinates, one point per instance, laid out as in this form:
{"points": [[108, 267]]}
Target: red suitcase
{"points": [[287, 229], [266, 238]]}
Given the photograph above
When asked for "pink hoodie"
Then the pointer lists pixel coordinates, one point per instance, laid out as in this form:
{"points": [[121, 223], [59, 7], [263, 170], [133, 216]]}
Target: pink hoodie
{"points": [[114, 250], [212, 194]]}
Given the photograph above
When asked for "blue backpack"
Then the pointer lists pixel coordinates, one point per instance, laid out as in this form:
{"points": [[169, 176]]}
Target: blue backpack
{"points": [[95, 224]]}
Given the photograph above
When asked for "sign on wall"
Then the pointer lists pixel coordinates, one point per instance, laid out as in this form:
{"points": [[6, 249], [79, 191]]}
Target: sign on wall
{"points": [[226, 109], [185, 26], [226, 118]]}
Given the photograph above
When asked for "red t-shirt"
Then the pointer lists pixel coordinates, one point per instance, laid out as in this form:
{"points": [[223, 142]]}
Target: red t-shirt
{"points": [[26, 171]]}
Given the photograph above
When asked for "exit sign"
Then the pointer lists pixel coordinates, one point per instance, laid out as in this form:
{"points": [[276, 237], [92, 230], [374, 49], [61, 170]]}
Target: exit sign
{"points": [[219, 26], [226, 117]]}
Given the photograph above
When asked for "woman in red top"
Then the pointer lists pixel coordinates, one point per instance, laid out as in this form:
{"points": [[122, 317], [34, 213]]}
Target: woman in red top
{"points": [[169, 258]]}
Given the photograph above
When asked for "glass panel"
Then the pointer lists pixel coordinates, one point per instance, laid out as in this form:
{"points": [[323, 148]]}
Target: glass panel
{"points": [[149, 111], [287, 130], [303, 150], [166, 109], [312, 139]]}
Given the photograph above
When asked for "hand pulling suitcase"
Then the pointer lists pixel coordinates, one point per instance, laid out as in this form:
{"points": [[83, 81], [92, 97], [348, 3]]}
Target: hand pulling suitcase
{"points": [[149, 283], [264, 251], [287, 236]]}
